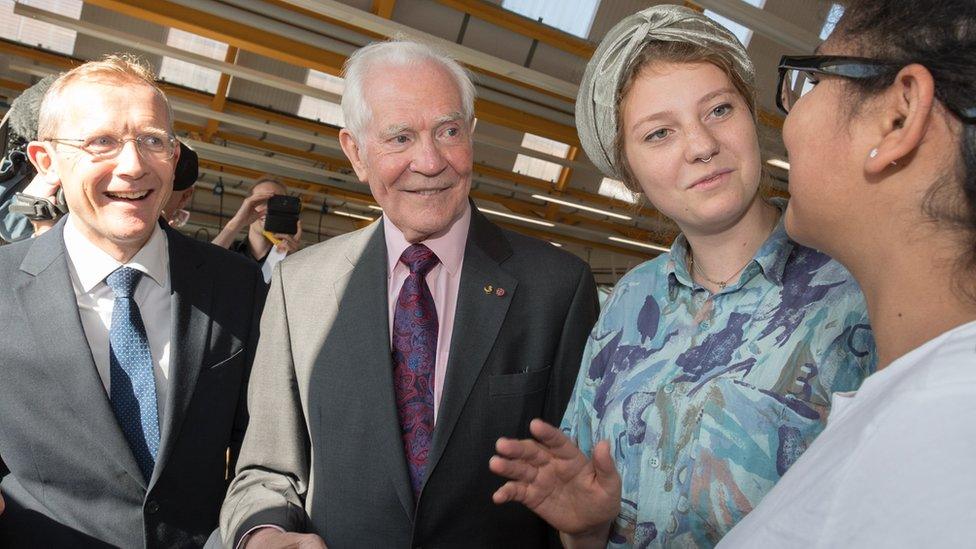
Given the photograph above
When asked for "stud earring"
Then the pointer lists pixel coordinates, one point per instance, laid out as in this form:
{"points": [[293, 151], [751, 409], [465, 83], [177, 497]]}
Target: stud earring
{"points": [[873, 153]]}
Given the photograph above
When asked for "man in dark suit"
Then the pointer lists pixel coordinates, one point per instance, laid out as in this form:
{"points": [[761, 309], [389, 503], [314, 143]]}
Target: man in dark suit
{"points": [[126, 346], [393, 357]]}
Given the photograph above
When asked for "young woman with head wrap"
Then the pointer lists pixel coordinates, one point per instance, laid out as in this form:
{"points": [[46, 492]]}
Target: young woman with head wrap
{"points": [[711, 367], [891, 107]]}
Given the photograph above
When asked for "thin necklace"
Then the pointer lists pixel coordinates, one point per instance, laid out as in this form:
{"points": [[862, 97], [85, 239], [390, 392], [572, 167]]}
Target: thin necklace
{"points": [[723, 283], [720, 283]]}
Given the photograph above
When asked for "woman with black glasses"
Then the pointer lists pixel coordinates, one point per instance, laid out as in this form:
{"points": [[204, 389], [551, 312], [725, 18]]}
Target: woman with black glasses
{"points": [[711, 367], [892, 112]]}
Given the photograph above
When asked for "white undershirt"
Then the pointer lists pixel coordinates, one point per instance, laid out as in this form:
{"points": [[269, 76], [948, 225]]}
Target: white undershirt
{"points": [[893, 468], [88, 266]]}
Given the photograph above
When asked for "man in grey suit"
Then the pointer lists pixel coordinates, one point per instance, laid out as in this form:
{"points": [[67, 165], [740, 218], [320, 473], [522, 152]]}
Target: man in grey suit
{"points": [[126, 346], [393, 357]]}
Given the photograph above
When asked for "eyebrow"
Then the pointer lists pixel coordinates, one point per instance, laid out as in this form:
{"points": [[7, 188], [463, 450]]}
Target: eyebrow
{"points": [[664, 114], [394, 129], [449, 117]]}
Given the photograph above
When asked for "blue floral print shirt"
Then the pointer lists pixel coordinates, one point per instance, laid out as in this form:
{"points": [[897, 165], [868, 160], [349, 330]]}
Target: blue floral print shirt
{"points": [[707, 399]]}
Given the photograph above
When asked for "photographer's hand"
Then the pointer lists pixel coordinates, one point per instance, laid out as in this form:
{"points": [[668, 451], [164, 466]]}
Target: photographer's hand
{"points": [[290, 243], [250, 211]]}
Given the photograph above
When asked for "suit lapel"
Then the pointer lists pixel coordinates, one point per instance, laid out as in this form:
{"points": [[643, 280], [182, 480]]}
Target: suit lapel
{"points": [[192, 282], [50, 306], [477, 320], [364, 290]]}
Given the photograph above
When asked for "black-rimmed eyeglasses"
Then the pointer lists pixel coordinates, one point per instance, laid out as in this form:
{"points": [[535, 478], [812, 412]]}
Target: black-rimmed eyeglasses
{"points": [[155, 146], [799, 74]]}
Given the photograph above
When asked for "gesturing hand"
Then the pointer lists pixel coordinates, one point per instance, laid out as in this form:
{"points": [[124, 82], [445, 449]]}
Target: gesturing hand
{"points": [[552, 477]]}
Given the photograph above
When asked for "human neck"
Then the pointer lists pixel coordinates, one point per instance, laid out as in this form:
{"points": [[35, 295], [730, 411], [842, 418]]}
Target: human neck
{"points": [[722, 255], [122, 252], [911, 296]]}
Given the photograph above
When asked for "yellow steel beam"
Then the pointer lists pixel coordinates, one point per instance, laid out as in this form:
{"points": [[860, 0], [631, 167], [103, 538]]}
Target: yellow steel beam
{"points": [[13, 84], [506, 19], [245, 37], [166, 13], [220, 97], [384, 8]]}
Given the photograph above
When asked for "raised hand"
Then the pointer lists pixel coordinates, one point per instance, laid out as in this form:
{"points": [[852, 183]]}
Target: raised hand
{"points": [[552, 477]]}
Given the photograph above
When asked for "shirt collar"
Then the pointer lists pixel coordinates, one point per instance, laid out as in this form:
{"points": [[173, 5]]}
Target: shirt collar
{"points": [[448, 247], [92, 264], [774, 253], [771, 256]]}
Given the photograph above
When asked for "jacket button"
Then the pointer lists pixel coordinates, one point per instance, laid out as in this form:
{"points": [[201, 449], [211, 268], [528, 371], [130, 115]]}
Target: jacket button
{"points": [[152, 507]]}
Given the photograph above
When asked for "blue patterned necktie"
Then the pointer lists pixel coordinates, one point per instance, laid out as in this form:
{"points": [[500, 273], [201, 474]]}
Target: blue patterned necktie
{"points": [[133, 388], [414, 354]]}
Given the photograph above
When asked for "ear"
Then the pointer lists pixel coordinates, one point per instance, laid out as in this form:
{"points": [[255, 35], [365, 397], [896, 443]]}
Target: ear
{"points": [[42, 156], [185, 198], [355, 154], [906, 109]]}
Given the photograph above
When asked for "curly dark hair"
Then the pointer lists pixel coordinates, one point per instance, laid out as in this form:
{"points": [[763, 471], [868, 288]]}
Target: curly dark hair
{"points": [[941, 36]]}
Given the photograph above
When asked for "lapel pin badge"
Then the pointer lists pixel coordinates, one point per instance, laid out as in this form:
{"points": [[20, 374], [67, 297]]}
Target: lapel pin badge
{"points": [[489, 288], [500, 292]]}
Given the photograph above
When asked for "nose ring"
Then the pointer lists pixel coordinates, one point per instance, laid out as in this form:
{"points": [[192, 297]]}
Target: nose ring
{"points": [[707, 160]]}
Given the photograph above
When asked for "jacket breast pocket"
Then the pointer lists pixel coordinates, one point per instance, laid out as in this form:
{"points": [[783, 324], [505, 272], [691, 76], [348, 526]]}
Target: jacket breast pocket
{"points": [[518, 384], [515, 400]]}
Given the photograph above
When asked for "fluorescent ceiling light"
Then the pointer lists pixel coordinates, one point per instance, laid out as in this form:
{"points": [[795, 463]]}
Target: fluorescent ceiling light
{"points": [[556, 244], [778, 163], [352, 215], [548, 198], [641, 244], [375, 207], [517, 217]]}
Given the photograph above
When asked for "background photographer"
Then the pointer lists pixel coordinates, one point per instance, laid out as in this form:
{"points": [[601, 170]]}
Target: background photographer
{"points": [[252, 214]]}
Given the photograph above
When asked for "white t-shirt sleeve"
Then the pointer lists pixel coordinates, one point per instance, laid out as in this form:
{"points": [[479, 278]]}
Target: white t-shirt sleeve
{"points": [[912, 482]]}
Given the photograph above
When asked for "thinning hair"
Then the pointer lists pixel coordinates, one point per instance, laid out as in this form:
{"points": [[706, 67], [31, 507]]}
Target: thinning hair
{"points": [[395, 53], [112, 69]]}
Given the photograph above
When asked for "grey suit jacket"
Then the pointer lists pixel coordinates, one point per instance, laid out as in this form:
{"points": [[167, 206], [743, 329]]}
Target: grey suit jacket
{"points": [[323, 452], [68, 476]]}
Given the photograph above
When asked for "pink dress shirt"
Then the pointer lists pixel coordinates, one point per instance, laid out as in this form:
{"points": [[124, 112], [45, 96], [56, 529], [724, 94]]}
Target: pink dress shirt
{"points": [[443, 281]]}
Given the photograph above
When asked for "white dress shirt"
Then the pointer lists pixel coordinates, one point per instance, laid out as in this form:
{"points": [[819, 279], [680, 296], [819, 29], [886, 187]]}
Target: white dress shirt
{"points": [[88, 266]]}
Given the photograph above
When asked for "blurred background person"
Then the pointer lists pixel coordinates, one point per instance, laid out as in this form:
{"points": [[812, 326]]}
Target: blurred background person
{"points": [[883, 178], [251, 215], [711, 367]]}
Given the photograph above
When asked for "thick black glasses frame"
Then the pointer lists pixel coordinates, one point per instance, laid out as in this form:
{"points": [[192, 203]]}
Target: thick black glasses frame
{"points": [[847, 67], [835, 65]]}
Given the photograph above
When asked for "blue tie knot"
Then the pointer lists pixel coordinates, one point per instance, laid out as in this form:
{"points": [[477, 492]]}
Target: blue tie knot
{"points": [[123, 281], [419, 259]]}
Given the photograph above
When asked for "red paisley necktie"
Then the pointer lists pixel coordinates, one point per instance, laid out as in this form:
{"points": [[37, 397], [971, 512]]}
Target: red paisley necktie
{"points": [[414, 352]]}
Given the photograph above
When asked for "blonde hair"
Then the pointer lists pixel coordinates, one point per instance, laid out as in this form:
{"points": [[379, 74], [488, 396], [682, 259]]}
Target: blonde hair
{"points": [[115, 68]]}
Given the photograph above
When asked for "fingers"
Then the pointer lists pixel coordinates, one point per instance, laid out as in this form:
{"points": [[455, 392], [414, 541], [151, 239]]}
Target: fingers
{"points": [[510, 491], [513, 469], [603, 467], [526, 450], [555, 440]]}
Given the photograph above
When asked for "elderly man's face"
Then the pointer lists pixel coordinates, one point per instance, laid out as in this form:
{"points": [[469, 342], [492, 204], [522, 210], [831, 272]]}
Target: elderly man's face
{"points": [[416, 152], [116, 201]]}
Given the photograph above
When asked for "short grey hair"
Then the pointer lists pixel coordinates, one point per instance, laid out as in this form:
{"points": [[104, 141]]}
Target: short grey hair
{"points": [[395, 53], [114, 68]]}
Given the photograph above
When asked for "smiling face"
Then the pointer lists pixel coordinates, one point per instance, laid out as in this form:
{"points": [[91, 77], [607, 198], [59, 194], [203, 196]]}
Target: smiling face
{"points": [[674, 117], [416, 152], [116, 202]]}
